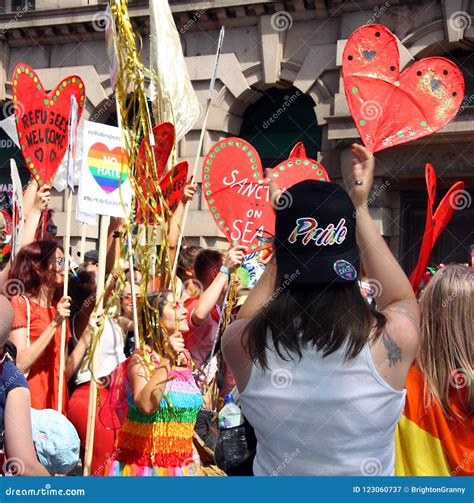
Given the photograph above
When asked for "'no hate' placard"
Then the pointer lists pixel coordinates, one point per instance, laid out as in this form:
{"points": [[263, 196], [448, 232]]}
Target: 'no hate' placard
{"points": [[105, 186]]}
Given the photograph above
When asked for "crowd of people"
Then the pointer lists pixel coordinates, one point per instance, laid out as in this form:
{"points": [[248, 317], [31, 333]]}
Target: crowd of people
{"points": [[327, 382]]}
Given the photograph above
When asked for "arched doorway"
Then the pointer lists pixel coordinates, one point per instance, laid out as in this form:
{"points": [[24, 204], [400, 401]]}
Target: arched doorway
{"points": [[278, 120]]}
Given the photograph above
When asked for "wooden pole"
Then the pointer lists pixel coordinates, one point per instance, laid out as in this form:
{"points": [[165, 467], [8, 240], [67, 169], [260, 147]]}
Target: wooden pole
{"points": [[62, 348], [220, 42], [104, 226], [82, 249], [133, 289]]}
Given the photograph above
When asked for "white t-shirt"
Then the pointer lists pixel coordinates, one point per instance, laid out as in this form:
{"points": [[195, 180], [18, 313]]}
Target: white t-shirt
{"points": [[111, 352]]}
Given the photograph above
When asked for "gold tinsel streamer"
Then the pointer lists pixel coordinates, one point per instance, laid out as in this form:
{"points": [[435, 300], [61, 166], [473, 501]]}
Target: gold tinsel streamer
{"points": [[135, 121]]}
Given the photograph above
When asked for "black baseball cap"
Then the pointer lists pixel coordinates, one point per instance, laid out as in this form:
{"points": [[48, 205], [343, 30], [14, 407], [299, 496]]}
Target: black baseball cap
{"points": [[315, 234], [92, 256]]}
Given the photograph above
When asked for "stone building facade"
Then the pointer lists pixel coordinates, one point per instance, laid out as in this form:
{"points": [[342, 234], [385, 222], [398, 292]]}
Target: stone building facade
{"points": [[273, 52]]}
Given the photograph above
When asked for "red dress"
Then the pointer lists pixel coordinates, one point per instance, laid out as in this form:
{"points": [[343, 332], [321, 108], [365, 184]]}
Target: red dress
{"points": [[43, 377]]}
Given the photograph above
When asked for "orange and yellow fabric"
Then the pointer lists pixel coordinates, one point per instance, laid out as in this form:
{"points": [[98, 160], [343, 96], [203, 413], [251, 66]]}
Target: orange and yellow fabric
{"points": [[427, 442]]}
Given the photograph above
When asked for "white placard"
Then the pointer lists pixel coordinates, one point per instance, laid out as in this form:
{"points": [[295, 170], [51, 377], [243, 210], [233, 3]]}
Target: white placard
{"points": [[105, 186], [17, 208]]}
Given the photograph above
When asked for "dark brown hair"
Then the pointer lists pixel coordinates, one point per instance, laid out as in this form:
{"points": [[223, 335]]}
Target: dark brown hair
{"points": [[325, 317], [206, 260], [187, 257]]}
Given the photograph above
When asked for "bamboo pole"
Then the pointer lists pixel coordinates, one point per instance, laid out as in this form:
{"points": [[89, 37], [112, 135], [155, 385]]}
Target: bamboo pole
{"points": [[104, 226], [62, 347]]}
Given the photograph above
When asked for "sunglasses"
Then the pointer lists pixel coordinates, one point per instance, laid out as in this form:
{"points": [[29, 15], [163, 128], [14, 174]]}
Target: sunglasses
{"points": [[60, 262], [128, 298]]}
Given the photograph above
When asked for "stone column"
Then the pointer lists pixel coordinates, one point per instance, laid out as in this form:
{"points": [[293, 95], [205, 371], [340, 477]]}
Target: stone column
{"points": [[4, 59]]}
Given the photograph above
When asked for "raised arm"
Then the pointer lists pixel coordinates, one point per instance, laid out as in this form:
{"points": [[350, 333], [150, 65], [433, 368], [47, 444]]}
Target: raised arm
{"points": [[394, 352], [113, 243], [377, 258], [40, 203], [261, 293], [29, 197], [210, 297]]}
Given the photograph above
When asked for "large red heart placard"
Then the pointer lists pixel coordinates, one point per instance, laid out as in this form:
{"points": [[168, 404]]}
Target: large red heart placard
{"points": [[237, 191], [42, 119], [391, 107]]}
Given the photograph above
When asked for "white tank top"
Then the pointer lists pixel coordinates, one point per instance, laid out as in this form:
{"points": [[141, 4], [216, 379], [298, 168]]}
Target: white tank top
{"points": [[322, 416], [111, 352]]}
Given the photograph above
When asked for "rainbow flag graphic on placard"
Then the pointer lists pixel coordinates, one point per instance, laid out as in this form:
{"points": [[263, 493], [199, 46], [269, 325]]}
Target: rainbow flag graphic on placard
{"points": [[108, 167]]}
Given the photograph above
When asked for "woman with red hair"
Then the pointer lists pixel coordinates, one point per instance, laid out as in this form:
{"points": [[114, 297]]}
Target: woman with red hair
{"points": [[35, 284]]}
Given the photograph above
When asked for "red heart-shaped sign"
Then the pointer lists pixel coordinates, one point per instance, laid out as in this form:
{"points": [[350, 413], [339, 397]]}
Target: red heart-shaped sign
{"points": [[172, 187], [163, 139], [42, 119], [238, 194], [163, 135], [173, 183], [435, 222], [389, 107]]}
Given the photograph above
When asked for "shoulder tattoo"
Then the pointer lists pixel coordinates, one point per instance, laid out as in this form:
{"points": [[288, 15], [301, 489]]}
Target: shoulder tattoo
{"points": [[393, 349]]}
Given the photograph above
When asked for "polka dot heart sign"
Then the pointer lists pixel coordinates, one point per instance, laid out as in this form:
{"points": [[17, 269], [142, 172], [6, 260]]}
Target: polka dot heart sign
{"points": [[42, 119], [391, 107], [238, 193]]}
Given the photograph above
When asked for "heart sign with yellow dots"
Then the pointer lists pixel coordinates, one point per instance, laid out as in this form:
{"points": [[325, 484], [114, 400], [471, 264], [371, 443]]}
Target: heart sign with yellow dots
{"points": [[391, 107], [42, 119]]}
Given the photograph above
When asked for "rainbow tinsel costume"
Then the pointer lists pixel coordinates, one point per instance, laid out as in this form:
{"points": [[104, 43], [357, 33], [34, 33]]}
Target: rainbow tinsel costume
{"points": [[160, 443]]}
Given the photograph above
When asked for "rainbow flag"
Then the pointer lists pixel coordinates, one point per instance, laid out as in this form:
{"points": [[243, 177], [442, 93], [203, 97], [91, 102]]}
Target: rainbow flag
{"points": [[427, 442]]}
